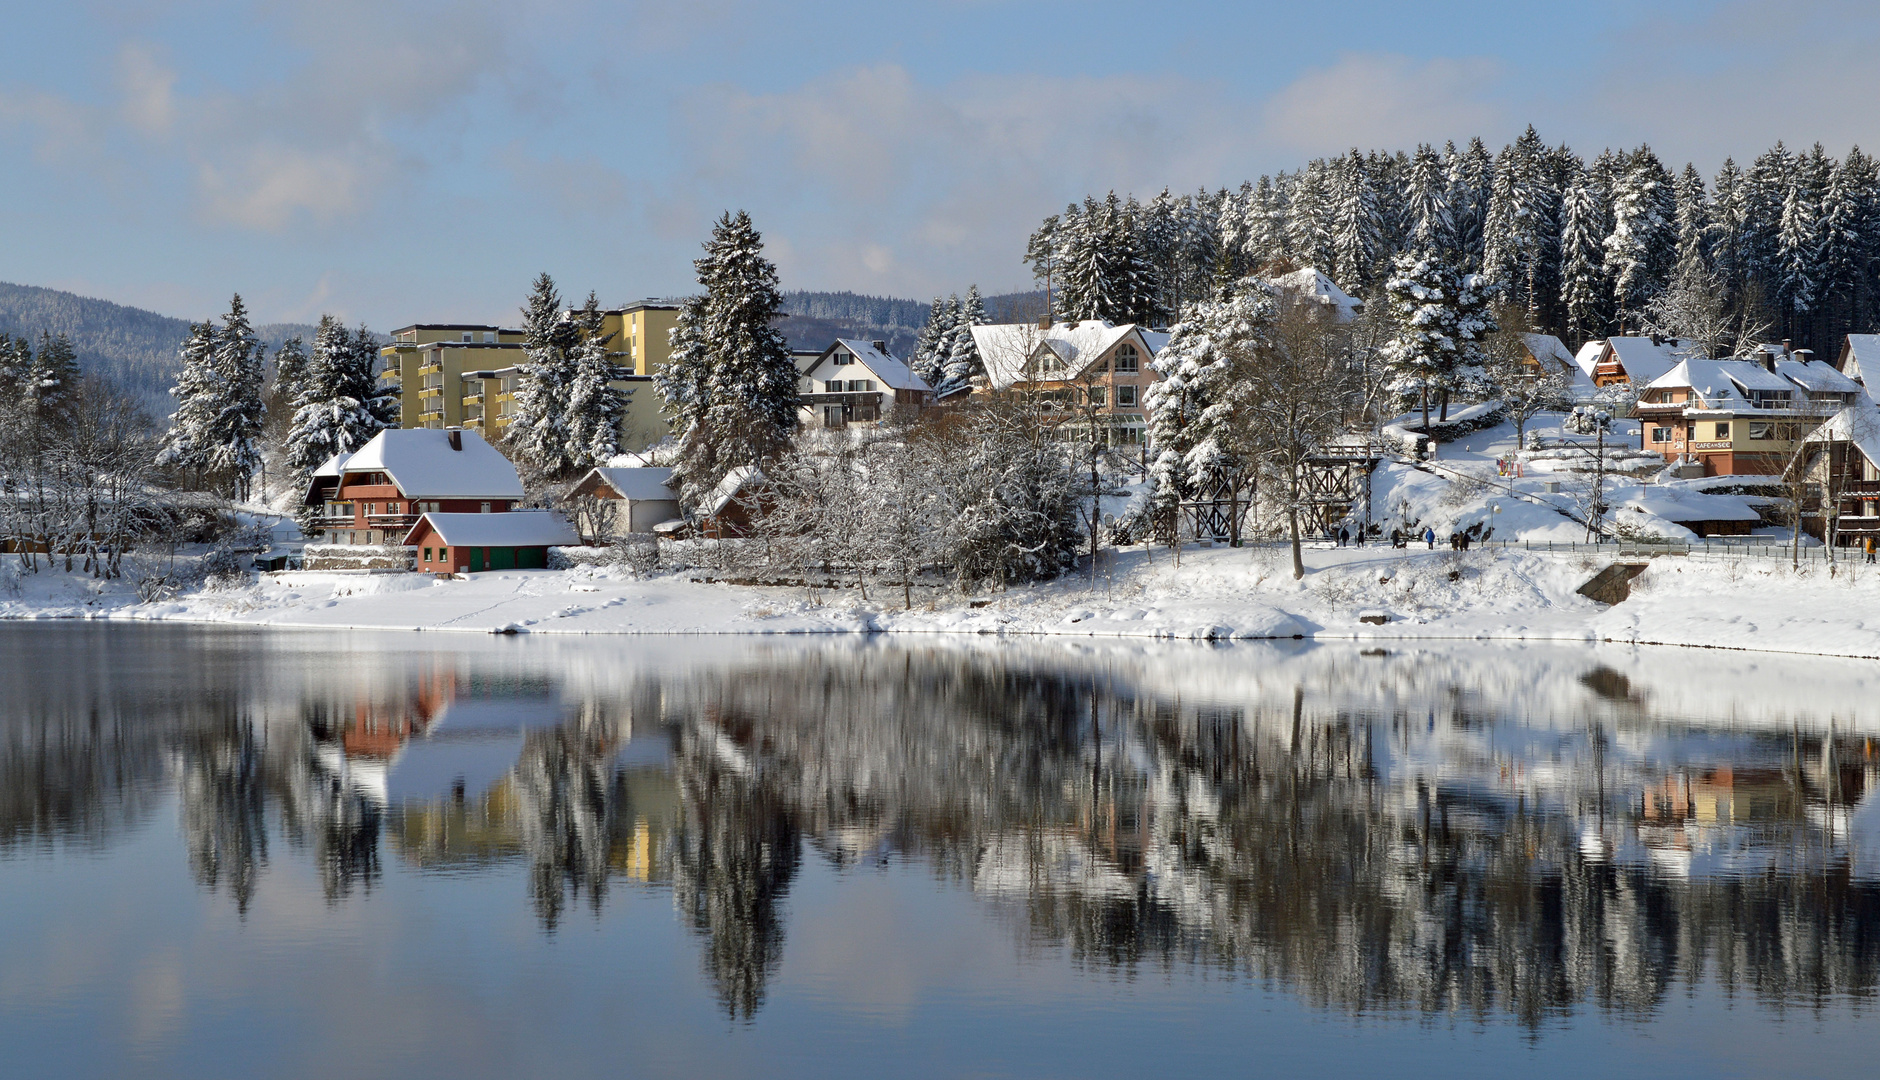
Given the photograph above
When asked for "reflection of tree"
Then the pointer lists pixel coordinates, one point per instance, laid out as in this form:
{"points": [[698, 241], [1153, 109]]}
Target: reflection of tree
{"points": [[325, 805], [569, 802], [219, 788], [734, 856]]}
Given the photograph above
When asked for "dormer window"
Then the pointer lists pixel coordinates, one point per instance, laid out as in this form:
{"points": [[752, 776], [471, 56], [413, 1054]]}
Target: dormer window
{"points": [[1128, 360], [841, 357]]}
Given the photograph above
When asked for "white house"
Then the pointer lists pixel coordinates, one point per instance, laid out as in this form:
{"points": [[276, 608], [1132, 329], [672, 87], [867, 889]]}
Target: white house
{"points": [[644, 497], [857, 382], [1067, 361]]}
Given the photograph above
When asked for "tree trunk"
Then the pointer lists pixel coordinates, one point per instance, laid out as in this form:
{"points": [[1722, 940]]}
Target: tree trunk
{"points": [[1292, 524], [1445, 413]]}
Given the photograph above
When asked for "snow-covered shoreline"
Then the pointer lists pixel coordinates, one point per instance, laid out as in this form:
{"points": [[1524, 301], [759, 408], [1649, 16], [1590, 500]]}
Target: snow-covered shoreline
{"points": [[1219, 594]]}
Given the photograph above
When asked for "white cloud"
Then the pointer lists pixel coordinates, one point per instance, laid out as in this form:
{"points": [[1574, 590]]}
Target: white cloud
{"points": [[148, 89], [1383, 101], [269, 185]]}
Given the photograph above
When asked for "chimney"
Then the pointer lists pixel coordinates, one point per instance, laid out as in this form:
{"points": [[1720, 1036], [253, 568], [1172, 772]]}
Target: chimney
{"points": [[1044, 322], [1785, 346], [880, 347], [1657, 341], [455, 435], [1768, 360]]}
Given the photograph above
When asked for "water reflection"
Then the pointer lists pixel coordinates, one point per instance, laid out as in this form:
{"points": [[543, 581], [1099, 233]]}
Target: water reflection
{"points": [[1471, 832]]}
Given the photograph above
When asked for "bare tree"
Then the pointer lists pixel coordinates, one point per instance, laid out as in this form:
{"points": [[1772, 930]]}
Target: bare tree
{"points": [[1693, 307], [1526, 384], [1302, 394]]}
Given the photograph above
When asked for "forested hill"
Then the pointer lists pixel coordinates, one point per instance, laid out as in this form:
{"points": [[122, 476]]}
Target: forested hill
{"points": [[817, 318], [133, 347]]}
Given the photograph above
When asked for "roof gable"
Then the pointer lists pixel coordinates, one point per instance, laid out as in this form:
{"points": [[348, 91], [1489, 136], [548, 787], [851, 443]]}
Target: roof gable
{"points": [[515, 528]]}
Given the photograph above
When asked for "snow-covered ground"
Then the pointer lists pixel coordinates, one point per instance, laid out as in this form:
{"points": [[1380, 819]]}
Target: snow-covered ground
{"points": [[1219, 593], [1356, 593]]}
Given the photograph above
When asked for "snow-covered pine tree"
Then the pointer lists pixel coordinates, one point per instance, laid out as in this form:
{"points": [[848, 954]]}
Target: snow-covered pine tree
{"points": [[1425, 351], [16, 363], [681, 383], [328, 420], [740, 399], [197, 392], [1583, 287], [1430, 228], [1471, 182], [1309, 225], [1694, 224], [1086, 276], [1523, 225], [1042, 251], [241, 366], [595, 405], [926, 362], [1265, 226], [1357, 224], [1727, 214], [1201, 246], [538, 434], [1643, 243], [290, 377], [52, 381], [380, 400], [1232, 222], [1848, 220], [1799, 236], [964, 362], [1137, 284], [1764, 190]]}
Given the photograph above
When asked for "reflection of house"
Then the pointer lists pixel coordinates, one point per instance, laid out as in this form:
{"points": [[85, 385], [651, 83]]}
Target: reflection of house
{"points": [[472, 543], [375, 495], [643, 498], [857, 382], [1077, 365]]}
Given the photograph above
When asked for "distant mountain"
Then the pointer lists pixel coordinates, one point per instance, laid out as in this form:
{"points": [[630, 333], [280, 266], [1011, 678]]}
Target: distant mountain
{"points": [[135, 348], [817, 318]]}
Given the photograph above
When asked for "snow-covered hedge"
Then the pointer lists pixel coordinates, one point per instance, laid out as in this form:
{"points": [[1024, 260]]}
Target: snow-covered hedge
{"points": [[359, 557]]}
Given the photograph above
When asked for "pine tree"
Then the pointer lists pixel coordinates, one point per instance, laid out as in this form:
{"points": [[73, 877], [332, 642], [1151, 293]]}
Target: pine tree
{"points": [[1799, 235], [1357, 222], [595, 405], [197, 390], [1643, 242], [1309, 225], [1266, 225], [290, 371], [1764, 189], [1849, 242], [1427, 348], [1431, 227], [1471, 182], [538, 433], [963, 362], [1523, 224], [926, 361], [241, 365], [16, 364], [340, 404], [1694, 224], [736, 387], [1583, 287], [52, 381]]}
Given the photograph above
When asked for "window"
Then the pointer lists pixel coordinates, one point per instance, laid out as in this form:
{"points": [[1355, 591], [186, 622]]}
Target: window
{"points": [[1096, 395], [467, 336], [443, 556], [841, 358], [1723, 430], [489, 337], [1125, 397], [1661, 434], [1127, 359], [427, 554], [485, 509], [1761, 430]]}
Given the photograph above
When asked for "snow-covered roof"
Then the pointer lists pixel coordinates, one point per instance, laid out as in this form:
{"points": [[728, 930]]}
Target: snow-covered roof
{"points": [[1859, 424], [1588, 356], [514, 528], [887, 370], [423, 465], [1685, 506], [333, 466], [1645, 362], [1722, 383], [1858, 346], [1311, 282], [1816, 377], [728, 489], [648, 484], [1550, 352], [1007, 348]]}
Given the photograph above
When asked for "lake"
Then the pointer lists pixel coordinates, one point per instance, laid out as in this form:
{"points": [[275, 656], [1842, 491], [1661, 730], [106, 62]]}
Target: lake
{"points": [[284, 854]]}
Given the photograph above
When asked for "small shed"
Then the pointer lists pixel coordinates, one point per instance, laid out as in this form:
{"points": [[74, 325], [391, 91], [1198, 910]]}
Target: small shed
{"points": [[644, 495], [733, 506], [471, 543]]}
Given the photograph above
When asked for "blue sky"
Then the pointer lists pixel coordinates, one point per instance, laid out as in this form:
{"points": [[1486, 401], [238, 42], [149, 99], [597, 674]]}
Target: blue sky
{"points": [[395, 161]]}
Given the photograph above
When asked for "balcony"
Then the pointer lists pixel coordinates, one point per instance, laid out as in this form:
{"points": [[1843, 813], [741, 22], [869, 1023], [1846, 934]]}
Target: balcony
{"points": [[391, 521], [472, 409]]}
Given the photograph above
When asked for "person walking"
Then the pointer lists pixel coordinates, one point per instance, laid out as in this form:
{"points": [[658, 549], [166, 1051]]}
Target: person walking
{"points": [[1429, 537], [1870, 546], [1344, 536]]}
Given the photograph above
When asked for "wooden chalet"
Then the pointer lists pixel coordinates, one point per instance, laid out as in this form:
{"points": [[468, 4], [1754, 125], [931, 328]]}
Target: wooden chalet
{"points": [[1093, 362]]}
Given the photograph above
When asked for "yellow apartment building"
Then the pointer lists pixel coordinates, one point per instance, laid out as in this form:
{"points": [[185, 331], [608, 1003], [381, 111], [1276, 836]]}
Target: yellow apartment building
{"points": [[425, 363], [465, 374]]}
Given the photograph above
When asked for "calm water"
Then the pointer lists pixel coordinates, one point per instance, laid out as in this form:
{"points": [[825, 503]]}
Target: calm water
{"points": [[276, 854]]}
